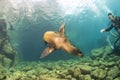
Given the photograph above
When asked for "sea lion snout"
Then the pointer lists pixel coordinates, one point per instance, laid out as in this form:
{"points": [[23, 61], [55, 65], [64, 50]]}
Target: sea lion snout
{"points": [[77, 52], [80, 55]]}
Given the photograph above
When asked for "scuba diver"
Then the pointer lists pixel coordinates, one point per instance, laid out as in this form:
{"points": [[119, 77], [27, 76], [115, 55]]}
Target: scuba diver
{"points": [[115, 23]]}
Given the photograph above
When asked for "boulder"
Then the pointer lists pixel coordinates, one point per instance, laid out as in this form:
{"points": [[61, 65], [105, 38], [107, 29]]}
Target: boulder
{"points": [[111, 64], [100, 52], [113, 72], [97, 52], [99, 74], [117, 78], [76, 72], [85, 69], [6, 50], [87, 77]]}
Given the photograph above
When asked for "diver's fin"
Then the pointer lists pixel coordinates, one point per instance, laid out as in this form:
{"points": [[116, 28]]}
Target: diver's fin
{"points": [[62, 29], [47, 51]]}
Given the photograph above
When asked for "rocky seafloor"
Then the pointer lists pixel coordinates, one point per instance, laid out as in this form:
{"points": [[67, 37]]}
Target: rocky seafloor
{"points": [[82, 69]]}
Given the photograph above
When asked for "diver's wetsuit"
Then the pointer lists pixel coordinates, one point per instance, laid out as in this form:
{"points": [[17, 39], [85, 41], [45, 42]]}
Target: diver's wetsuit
{"points": [[116, 25]]}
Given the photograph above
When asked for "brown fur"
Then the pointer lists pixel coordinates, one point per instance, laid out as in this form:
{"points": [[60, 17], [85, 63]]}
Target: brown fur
{"points": [[58, 40]]}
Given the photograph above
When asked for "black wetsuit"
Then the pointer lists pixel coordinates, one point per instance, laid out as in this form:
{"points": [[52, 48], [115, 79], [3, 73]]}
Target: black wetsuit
{"points": [[116, 25]]}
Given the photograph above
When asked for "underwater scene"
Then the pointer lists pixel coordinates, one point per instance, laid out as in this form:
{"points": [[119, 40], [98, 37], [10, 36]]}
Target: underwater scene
{"points": [[59, 40]]}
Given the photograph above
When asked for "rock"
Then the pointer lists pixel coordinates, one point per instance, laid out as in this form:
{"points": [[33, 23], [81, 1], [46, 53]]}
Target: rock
{"points": [[17, 75], [6, 48], [46, 77], [3, 73], [102, 62], [84, 77], [109, 78], [26, 68], [110, 58], [86, 60], [95, 63], [71, 71], [117, 78], [3, 28], [119, 66], [76, 72], [29, 77], [2, 77], [118, 62], [99, 74], [107, 50], [85, 69], [2, 60], [81, 77], [97, 53], [44, 71], [52, 73], [68, 77], [116, 58], [49, 66], [7, 62], [57, 67], [113, 72], [73, 79], [1, 41], [100, 52], [87, 77], [63, 74], [110, 64]]}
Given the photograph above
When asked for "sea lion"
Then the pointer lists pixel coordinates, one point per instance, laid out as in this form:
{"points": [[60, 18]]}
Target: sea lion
{"points": [[58, 40]]}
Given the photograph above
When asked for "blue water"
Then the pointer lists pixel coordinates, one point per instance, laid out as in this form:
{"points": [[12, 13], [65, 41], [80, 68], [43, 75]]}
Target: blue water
{"points": [[83, 21]]}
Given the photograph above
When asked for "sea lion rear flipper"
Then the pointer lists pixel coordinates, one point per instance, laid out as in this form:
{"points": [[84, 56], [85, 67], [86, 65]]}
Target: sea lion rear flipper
{"points": [[62, 29], [47, 51]]}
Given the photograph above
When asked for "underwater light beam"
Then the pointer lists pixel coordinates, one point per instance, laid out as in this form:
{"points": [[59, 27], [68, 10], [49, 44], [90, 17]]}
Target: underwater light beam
{"points": [[78, 6]]}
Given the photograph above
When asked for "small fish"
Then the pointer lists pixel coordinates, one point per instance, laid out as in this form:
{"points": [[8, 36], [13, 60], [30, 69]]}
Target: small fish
{"points": [[58, 40]]}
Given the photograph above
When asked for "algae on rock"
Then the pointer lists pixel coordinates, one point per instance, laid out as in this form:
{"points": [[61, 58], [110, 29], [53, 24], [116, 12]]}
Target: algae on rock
{"points": [[6, 50]]}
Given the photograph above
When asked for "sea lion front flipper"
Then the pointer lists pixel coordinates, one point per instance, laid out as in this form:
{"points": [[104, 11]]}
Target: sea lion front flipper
{"points": [[47, 51], [62, 29]]}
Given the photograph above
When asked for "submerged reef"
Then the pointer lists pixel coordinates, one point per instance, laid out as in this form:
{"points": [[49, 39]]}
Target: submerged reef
{"points": [[86, 68], [7, 53]]}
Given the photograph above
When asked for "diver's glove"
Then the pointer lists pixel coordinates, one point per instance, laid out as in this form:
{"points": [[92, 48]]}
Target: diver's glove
{"points": [[102, 30]]}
